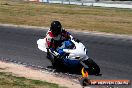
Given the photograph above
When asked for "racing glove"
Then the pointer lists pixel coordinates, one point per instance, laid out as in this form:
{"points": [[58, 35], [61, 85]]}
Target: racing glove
{"points": [[60, 54]]}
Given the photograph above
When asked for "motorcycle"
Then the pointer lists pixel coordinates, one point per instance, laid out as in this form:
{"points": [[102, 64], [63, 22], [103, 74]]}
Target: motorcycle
{"points": [[74, 56]]}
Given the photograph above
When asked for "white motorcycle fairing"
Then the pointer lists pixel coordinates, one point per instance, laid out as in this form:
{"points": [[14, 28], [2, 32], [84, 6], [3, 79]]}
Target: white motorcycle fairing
{"points": [[79, 53]]}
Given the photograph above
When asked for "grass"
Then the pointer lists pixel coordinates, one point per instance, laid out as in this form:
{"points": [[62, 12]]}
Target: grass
{"points": [[7, 80], [110, 20]]}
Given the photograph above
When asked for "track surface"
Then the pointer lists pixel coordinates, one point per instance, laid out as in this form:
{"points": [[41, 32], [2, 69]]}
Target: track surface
{"points": [[113, 55]]}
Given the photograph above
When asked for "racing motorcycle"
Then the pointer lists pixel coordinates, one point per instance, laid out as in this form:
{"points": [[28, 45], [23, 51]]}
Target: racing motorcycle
{"points": [[74, 56]]}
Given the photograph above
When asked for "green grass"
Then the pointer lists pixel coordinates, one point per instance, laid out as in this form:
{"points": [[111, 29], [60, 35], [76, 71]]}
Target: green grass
{"points": [[110, 20], [7, 80]]}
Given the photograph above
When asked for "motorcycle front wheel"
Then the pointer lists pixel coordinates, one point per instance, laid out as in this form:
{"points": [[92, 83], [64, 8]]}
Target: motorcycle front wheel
{"points": [[93, 68]]}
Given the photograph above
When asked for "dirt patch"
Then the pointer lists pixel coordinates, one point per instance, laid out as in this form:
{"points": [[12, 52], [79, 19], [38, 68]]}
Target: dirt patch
{"points": [[22, 71]]}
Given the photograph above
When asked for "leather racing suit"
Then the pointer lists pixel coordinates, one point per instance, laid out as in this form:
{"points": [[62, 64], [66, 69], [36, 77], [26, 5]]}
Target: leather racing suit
{"points": [[54, 41]]}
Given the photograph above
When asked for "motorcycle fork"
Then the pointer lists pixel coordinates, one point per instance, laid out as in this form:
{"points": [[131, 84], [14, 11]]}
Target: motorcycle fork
{"points": [[84, 65]]}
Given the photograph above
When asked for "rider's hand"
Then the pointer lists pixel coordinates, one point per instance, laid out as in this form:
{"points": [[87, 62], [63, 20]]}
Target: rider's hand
{"points": [[77, 40]]}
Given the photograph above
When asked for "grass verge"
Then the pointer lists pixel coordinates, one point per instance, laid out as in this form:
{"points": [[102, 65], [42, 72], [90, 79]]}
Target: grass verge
{"points": [[7, 80], [110, 20]]}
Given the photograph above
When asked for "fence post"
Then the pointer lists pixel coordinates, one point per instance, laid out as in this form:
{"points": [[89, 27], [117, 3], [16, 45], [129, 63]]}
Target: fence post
{"points": [[62, 1], [69, 2], [82, 2]]}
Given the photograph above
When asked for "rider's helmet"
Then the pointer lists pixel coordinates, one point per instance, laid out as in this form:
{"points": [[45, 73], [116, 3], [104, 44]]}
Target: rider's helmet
{"points": [[56, 27]]}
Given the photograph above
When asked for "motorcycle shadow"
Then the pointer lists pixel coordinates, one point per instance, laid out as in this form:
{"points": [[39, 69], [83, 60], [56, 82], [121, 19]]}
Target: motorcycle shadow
{"points": [[74, 71], [63, 69]]}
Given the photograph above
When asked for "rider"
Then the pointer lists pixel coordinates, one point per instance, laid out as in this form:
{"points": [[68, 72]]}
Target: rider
{"points": [[55, 36]]}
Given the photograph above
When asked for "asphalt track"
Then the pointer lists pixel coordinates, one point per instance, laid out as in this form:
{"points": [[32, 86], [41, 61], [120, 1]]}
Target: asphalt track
{"points": [[113, 54]]}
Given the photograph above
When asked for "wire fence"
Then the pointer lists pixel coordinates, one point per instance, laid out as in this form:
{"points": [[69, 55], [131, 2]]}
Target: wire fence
{"points": [[97, 3], [82, 2], [75, 2], [65, 1], [85, 1]]}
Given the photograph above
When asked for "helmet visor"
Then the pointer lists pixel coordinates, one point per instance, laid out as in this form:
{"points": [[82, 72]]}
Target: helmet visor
{"points": [[56, 32]]}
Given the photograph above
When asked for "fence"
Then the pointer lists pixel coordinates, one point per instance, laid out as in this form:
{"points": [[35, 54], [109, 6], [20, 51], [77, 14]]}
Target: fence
{"points": [[65, 1], [98, 3]]}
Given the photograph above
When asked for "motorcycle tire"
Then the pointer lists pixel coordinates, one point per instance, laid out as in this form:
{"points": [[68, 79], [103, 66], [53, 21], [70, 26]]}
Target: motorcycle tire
{"points": [[93, 67]]}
